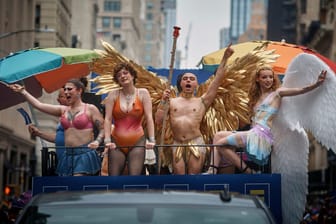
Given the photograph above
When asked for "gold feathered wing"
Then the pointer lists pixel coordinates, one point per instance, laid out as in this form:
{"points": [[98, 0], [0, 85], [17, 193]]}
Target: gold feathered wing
{"points": [[155, 85], [228, 109], [230, 106]]}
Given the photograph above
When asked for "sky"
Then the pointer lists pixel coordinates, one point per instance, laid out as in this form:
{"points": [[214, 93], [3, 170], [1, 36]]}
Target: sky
{"points": [[205, 18]]}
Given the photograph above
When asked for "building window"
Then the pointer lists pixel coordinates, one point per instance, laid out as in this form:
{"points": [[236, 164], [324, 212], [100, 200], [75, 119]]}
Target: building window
{"points": [[149, 16], [116, 37], [116, 22], [106, 22], [148, 58], [149, 36], [37, 16], [148, 47], [303, 6], [150, 5], [114, 6], [149, 26]]}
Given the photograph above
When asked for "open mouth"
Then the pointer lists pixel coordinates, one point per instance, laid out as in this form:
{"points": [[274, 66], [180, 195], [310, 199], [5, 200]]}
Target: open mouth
{"points": [[188, 86]]}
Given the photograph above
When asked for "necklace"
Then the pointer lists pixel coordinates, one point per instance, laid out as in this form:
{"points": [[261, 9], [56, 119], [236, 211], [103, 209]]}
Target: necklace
{"points": [[129, 101]]}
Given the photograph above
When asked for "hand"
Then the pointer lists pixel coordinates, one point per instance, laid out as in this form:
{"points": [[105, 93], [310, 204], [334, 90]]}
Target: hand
{"points": [[33, 130], [228, 52], [149, 144], [321, 77], [110, 145], [93, 145], [16, 88]]}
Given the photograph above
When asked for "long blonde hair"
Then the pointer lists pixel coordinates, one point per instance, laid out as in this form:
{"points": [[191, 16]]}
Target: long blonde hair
{"points": [[255, 90]]}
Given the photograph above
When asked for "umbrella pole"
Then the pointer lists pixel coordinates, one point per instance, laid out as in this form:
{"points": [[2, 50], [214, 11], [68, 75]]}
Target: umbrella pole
{"points": [[45, 150], [166, 108]]}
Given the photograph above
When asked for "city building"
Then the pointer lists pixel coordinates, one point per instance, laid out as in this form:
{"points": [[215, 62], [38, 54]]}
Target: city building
{"points": [[281, 20], [240, 18], [169, 12], [27, 24]]}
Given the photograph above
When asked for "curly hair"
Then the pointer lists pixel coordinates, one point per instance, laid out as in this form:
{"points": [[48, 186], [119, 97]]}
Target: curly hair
{"points": [[255, 91], [126, 66]]}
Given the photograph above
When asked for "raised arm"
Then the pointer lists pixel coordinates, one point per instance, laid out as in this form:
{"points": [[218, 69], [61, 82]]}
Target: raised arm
{"points": [[297, 91], [51, 109], [210, 94]]}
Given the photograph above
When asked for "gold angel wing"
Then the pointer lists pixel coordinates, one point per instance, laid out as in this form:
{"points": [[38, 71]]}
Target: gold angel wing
{"points": [[155, 85], [230, 106]]}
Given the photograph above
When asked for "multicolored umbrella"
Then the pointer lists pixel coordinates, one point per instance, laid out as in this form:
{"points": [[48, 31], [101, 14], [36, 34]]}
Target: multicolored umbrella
{"points": [[41, 68], [285, 51]]}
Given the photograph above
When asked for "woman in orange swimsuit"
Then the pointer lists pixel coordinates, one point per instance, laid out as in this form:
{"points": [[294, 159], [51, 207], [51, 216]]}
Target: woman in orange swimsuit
{"points": [[127, 107], [78, 120]]}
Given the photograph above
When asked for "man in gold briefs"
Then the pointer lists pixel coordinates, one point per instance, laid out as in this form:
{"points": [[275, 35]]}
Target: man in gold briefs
{"points": [[186, 113]]}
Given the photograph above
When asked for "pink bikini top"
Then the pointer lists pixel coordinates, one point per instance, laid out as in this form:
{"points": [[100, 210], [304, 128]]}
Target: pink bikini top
{"points": [[81, 121]]}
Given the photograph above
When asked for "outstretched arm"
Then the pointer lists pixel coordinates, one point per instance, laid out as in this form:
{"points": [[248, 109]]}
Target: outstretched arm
{"points": [[210, 94], [297, 91], [51, 109]]}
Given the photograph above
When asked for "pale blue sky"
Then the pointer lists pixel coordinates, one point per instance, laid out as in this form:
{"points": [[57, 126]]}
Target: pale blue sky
{"points": [[206, 17]]}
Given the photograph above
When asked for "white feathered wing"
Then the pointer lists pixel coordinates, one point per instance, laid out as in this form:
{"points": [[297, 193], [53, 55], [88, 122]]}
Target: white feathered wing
{"points": [[315, 112]]}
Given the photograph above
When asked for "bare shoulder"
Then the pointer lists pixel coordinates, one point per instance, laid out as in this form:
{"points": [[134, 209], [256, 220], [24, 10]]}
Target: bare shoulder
{"points": [[143, 91], [112, 95], [93, 108]]}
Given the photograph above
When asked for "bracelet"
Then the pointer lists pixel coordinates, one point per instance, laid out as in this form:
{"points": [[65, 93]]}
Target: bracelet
{"points": [[151, 139], [107, 140], [99, 139]]}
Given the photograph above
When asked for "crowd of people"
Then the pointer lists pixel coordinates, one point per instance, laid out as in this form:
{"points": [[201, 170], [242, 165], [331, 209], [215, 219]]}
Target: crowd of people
{"points": [[320, 209]]}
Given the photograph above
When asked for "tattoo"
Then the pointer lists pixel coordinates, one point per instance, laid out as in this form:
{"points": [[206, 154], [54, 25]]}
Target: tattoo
{"points": [[72, 116], [98, 124]]}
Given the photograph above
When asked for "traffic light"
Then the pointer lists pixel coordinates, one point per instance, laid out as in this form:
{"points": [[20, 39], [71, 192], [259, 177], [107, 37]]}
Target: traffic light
{"points": [[11, 190]]}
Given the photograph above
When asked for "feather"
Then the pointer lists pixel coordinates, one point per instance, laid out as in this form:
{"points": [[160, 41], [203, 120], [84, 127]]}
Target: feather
{"points": [[312, 111], [231, 104], [228, 109]]}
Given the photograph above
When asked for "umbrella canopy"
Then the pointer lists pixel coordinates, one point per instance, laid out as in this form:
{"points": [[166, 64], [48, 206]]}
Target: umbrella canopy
{"points": [[285, 51], [45, 68]]}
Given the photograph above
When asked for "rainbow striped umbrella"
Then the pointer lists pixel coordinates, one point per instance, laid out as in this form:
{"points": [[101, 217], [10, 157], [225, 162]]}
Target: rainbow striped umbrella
{"points": [[41, 68]]}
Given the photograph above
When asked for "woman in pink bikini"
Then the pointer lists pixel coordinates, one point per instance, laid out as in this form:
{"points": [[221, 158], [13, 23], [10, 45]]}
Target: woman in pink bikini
{"points": [[78, 120], [126, 108]]}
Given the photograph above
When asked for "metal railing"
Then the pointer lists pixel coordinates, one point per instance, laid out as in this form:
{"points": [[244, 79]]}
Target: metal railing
{"points": [[49, 157]]}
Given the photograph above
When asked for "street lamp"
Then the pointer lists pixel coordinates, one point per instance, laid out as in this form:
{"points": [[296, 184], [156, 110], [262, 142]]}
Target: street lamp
{"points": [[48, 30]]}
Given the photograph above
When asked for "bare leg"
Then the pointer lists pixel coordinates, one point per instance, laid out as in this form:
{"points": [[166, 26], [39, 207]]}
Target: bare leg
{"points": [[235, 159], [178, 166], [195, 165], [228, 152], [215, 156]]}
